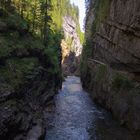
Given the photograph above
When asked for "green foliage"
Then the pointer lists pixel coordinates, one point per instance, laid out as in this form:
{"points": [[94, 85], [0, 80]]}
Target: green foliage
{"points": [[101, 12], [53, 59], [83, 67], [4, 46], [101, 9], [80, 34], [86, 53], [63, 8], [34, 25], [87, 50], [69, 42], [15, 21], [12, 41], [121, 82], [16, 71], [100, 72]]}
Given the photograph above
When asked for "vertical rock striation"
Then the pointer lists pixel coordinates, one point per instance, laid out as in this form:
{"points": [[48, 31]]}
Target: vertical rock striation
{"points": [[110, 67]]}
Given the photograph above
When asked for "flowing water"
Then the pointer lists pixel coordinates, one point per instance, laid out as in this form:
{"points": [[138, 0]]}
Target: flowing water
{"points": [[74, 116]]}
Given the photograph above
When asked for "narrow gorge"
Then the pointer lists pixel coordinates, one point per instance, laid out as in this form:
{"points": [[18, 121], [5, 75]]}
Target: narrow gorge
{"points": [[31, 35], [71, 46], [58, 82]]}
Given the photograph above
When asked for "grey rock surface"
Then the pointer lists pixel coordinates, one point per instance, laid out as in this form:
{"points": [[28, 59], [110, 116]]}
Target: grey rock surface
{"points": [[111, 71]]}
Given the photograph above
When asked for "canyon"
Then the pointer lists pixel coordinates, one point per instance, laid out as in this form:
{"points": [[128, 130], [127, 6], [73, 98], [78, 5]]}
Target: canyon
{"points": [[57, 82], [71, 47]]}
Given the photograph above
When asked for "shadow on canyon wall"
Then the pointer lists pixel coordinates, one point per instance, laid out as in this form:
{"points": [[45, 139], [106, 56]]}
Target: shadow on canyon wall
{"points": [[71, 64]]}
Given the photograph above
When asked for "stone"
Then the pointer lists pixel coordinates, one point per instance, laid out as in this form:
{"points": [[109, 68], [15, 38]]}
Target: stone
{"points": [[70, 52], [113, 38]]}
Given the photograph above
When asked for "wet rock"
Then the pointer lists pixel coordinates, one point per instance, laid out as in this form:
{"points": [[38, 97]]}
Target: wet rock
{"points": [[35, 133]]}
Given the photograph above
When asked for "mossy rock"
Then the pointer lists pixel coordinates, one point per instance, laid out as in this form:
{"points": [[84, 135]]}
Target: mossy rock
{"points": [[120, 82], [17, 71], [3, 13], [100, 72], [101, 12]]}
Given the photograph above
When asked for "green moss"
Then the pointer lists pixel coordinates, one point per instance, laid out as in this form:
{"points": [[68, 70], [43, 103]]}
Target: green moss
{"points": [[11, 41], [80, 34], [17, 71], [121, 82], [86, 53], [69, 42], [101, 11], [19, 68], [100, 72], [53, 60], [15, 21], [5, 48]]}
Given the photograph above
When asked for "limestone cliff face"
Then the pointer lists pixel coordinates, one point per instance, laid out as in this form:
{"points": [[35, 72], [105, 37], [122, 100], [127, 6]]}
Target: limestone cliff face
{"points": [[70, 32], [71, 46], [111, 58]]}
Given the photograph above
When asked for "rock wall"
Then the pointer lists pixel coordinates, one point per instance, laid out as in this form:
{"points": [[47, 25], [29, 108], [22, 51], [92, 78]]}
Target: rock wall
{"points": [[110, 67], [28, 80], [71, 47]]}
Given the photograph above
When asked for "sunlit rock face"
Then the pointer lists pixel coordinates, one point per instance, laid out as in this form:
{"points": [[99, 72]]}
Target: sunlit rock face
{"points": [[70, 31], [71, 47], [111, 58]]}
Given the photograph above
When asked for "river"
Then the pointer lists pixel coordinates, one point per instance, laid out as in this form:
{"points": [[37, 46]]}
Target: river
{"points": [[74, 116]]}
